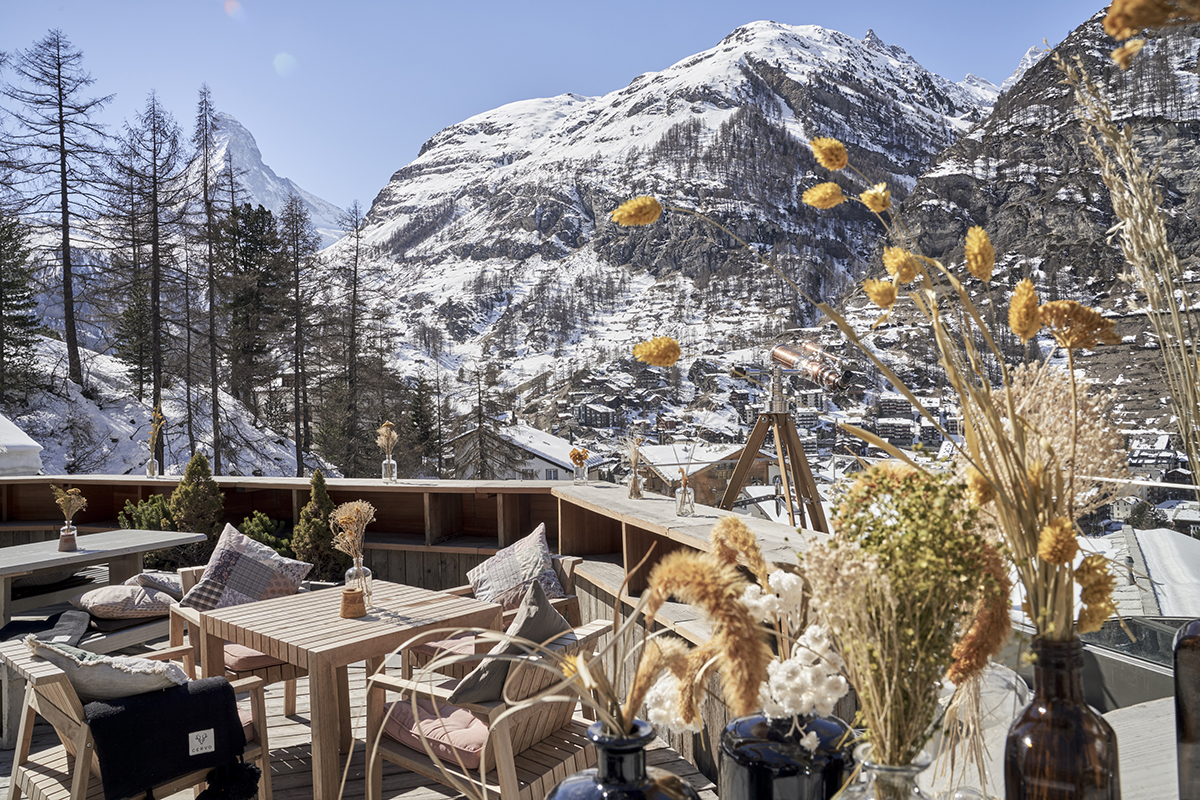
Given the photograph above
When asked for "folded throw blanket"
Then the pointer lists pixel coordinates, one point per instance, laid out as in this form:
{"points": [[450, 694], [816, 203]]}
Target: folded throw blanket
{"points": [[69, 627], [147, 739]]}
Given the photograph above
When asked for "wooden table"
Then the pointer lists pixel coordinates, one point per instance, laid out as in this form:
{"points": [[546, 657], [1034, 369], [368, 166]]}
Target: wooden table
{"points": [[122, 550], [305, 630]]}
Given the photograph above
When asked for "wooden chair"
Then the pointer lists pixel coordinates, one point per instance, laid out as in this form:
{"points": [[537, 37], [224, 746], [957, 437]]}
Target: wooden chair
{"points": [[270, 670], [419, 655], [527, 753], [57, 773]]}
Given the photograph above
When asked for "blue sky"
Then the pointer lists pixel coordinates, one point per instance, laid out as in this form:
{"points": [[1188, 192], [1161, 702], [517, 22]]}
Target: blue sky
{"points": [[340, 94]]}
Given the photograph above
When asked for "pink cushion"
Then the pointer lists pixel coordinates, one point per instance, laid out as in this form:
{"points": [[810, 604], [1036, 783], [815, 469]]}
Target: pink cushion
{"points": [[458, 735], [239, 658], [246, 716]]}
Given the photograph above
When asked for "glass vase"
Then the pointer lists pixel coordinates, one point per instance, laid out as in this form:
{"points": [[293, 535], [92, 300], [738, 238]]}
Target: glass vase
{"points": [[359, 577], [388, 470], [152, 467], [581, 478], [762, 758], [621, 771], [1058, 747], [635, 487], [886, 782], [66, 538], [685, 501]]}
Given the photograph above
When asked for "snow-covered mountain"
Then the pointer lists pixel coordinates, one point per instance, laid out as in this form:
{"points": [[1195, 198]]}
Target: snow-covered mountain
{"points": [[1032, 56], [500, 232], [261, 183]]}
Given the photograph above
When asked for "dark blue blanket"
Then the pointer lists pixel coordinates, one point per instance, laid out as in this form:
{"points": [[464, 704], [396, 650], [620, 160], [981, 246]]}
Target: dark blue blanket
{"points": [[148, 739]]}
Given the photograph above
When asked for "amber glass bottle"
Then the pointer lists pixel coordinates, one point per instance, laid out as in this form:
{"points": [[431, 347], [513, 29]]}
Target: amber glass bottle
{"points": [[1187, 709], [1058, 747]]}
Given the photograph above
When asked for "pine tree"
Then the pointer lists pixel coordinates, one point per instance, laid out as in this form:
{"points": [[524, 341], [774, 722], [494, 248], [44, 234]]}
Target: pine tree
{"points": [[422, 420], [18, 321], [482, 452], [60, 152], [197, 504], [299, 244], [313, 539]]}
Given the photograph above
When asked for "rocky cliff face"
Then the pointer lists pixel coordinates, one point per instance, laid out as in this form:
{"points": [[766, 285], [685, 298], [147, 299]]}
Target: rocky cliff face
{"points": [[1026, 176], [500, 229]]}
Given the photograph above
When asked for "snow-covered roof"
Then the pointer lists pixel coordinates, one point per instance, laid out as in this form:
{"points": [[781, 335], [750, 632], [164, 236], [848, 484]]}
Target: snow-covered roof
{"points": [[19, 454], [554, 449], [1173, 564], [691, 457]]}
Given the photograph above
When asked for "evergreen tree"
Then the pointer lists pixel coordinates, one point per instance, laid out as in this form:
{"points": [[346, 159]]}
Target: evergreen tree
{"points": [[264, 530], [482, 452], [255, 303], [197, 504], [134, 339], [313, 539], [60, 152], [299, 244], [422, 420], [18, 320]]}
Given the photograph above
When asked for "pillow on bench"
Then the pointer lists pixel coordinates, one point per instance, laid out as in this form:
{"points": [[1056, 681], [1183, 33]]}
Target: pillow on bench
{"points": [[505, 577], [124, 602], [97, 677]]}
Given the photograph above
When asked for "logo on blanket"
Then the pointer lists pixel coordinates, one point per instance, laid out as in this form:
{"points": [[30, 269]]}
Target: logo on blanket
{"points": [[201, 742]]}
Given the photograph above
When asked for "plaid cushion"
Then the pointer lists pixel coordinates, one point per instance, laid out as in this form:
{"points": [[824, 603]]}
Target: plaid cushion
{"points": [[242, 570], [506, 576]]}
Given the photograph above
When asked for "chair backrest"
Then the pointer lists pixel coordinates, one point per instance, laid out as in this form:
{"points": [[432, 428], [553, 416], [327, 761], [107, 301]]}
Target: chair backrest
{"points": [[534, 723]]}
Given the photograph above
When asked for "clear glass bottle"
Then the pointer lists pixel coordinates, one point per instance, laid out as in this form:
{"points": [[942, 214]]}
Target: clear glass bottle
{"points": [[152, 467], [581, 477], [884, 782], [389, 470], [359, 577], [685, 501], [66, 538], [635, 486]]}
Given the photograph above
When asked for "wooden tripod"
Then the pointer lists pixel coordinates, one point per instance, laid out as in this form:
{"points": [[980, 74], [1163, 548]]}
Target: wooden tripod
{"points": [[787, 441]]}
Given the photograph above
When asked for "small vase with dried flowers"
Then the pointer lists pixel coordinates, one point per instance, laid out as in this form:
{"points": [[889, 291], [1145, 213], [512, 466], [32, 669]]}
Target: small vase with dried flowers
{"points": [[387, 439], [70, 502], [156, 425], [579, 457], [685, 497], [633, 452], [350, 521]]}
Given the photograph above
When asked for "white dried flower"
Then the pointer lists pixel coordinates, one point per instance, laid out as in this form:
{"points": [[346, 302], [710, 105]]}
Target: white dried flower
{"points": [[789, 587], [807, 682], [810, 741], [664, 706], [763, 607]]}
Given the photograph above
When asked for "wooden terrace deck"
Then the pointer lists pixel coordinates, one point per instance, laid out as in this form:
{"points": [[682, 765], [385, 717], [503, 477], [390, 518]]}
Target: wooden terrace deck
{"points": [[291, 760]]}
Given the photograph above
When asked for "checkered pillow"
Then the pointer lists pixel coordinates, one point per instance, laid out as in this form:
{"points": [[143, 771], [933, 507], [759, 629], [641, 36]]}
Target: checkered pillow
{"points": [[506, 576], [242, 570]]}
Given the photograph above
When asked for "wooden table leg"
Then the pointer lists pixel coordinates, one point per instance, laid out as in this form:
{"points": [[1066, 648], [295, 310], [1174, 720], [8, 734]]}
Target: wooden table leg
{"points": [[212, 654], [122, 568], [5, 600], [346, 723], [375, 700], [326, 729]]}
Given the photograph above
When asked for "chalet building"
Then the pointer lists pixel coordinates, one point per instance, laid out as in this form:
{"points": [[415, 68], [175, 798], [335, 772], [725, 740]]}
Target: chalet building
{"points": [[899, 431], [547, 457], [895, 405], [595, 415]]}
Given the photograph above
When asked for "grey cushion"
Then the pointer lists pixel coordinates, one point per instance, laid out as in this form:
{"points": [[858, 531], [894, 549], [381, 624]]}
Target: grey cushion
{"points": [[536, 621], [505, 577], [242, 570], [124, 602], [165, 582], [97, 677]]}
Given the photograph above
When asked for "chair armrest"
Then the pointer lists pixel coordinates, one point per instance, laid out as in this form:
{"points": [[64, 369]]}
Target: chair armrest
{"points": [[189, 614], [169, 653], [248, 684], [461, 591], [425, 689]]}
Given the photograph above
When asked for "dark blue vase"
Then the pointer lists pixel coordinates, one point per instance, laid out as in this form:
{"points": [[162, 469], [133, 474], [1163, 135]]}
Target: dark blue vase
{"points": [[621, 771], [762, 758]]}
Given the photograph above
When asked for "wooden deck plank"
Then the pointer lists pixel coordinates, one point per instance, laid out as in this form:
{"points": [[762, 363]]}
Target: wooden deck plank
{"points": [[291, 764]]}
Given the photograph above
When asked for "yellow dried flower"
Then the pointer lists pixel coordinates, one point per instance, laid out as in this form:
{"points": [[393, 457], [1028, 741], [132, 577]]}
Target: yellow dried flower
{"points": [[1091, 618], [638, 211], [1023, 311], [981, 257], [830, 153], [1124, 54], [661, 351], [1096, 583], [824, 195], [877, 198], [1076, 326], [1127, 17], [1057, 544], [881, 293], [900, 264], [979, 488]]}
